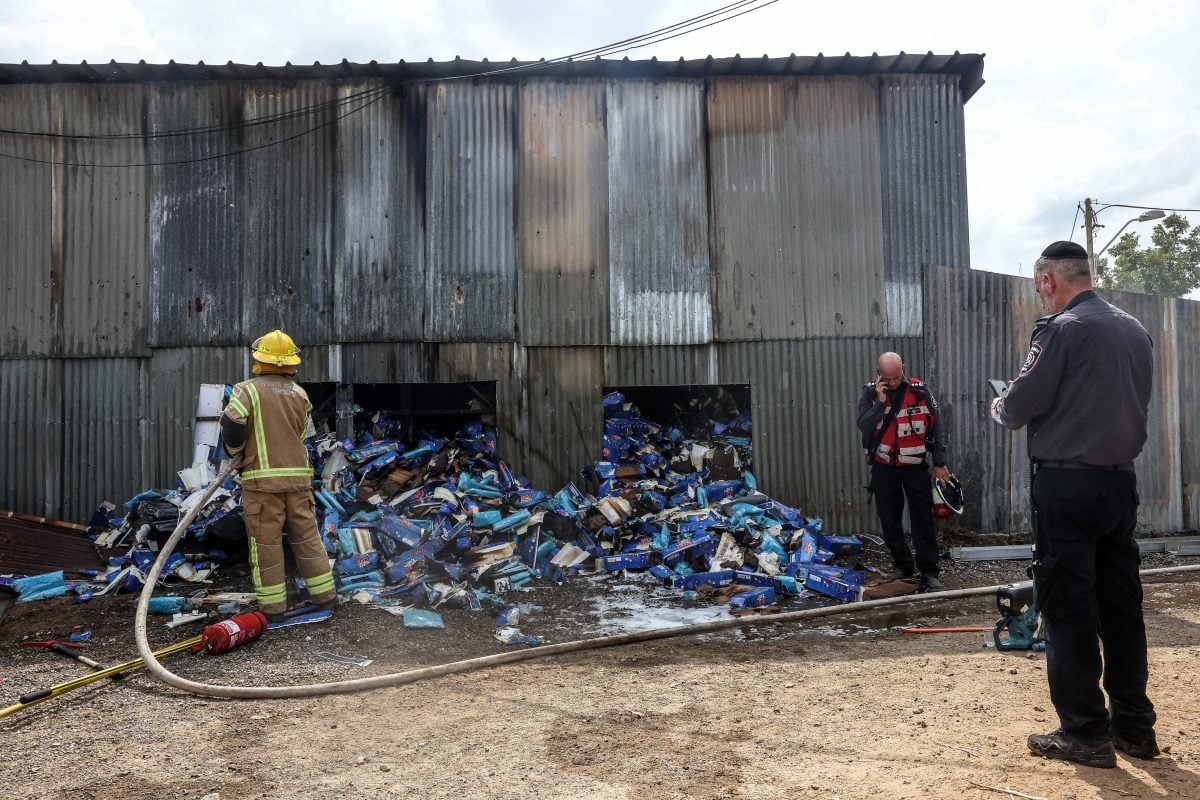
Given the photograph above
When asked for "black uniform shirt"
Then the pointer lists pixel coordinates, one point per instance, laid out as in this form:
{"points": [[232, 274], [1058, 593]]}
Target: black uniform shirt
{"points": [[1085, 386]]}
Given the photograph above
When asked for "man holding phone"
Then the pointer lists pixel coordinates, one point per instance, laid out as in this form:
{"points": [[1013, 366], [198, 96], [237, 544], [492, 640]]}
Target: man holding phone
{"points": [[1084, 392], [898, 418]]}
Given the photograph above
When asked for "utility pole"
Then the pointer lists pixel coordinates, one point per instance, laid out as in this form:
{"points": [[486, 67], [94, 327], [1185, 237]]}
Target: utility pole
{"points": [[1089, 222]]}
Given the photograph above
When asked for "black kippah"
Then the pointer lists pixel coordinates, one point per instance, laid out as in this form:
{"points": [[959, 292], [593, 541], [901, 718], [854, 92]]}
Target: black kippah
{"points": [[1064, 250]]}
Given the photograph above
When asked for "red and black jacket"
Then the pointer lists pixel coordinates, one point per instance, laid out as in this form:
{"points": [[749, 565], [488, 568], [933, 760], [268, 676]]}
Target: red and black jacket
{"points": [[901, 431]]}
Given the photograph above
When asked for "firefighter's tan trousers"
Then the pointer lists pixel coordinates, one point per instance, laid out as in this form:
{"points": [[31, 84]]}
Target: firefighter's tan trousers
{"points": [[267, 514]]}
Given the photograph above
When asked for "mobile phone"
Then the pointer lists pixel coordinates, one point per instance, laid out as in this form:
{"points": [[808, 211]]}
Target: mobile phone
{"points": [[999, 387]]}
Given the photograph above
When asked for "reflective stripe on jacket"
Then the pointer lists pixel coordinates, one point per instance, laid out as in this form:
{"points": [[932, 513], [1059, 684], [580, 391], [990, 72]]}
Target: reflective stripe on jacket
{"points": [[903, 443], [274, 409]]}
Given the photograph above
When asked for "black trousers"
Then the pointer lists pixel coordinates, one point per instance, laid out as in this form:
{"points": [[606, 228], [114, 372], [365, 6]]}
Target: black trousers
{"points": [[1089, 592], [891, 485]]}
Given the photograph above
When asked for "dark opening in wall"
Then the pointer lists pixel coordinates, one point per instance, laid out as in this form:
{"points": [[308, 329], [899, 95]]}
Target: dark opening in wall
{"points": [[694, 427], [323, 396], [441, 409]]}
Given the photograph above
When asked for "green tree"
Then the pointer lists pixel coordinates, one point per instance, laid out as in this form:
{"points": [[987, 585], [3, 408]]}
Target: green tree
{"points": [[1169, 267]]}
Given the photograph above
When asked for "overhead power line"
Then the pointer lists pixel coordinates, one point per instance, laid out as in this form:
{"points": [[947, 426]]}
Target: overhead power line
{"points": [[202, 159], [370, 96], [266, 119]]}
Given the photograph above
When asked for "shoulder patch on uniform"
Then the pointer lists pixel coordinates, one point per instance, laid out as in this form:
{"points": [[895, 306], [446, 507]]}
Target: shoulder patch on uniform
{"points": [[1035, 352]]}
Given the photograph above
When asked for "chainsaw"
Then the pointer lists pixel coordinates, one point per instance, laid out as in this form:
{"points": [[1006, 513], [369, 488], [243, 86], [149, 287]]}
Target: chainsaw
{"points": [[1018, 628]]}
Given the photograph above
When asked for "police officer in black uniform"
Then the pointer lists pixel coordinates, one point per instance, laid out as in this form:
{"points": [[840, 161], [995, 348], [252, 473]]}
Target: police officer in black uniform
{"points": [[1084, 391], [899, 441]]}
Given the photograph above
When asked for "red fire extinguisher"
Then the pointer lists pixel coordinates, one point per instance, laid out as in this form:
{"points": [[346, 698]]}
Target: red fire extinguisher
{"points": [[233, 632]]}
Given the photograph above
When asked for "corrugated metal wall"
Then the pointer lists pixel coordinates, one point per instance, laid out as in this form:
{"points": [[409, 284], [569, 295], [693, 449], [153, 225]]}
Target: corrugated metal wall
{"points": [[924, 188], [379, 251], [31, 435], [196, 279], [173, 378], [978, 326], [555, 236], [105, 430], [289, 220], [105, 272], [658, 214], [971, 336], [471, 253], [1187, 329], [562, 224], [796, 208], [30, 205]]}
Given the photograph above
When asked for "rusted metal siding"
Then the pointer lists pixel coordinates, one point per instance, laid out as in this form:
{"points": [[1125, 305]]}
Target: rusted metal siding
{"points": [[978, 327], [1187, 329], [565, 421], [105, 280], [379, 272], [971, 336], [30, 279], [804, 395], [105, 430], [471, 256], [31, 431], [756, 210], [174, 376], [660, 366], [1158, 466], [796, 207], [658, 214], [288, 224], [403, 362], [197, 280], [924, 188], [562, 223]]}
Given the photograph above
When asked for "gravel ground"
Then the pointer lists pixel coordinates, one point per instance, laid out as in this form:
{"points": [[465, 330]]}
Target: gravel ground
{"points": [[844, 707]]}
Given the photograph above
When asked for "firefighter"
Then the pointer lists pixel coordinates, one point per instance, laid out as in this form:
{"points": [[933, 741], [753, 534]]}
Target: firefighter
{"points": [[898, 419], [265, 420]]}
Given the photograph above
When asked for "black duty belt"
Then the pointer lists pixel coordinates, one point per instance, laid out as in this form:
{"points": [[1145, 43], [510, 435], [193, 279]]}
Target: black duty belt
{"points": [[1074, 463]]}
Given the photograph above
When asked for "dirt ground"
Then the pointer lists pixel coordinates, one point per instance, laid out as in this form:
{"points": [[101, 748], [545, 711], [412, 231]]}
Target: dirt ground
{"points": [[845, 707]]}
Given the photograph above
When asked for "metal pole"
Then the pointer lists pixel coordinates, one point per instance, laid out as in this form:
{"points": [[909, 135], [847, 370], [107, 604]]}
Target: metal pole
{"points": [[1089, 222]]}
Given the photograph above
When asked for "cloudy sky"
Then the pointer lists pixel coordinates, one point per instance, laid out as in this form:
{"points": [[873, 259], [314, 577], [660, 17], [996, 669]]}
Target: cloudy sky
{"points": [[1082, 99]]}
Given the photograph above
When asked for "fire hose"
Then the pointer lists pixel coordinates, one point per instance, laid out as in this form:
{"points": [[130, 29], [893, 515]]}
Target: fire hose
{"points": [[487, 662]]}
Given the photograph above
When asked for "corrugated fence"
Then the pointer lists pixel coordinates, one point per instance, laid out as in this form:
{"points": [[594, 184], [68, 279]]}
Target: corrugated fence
{"points": [[978, 326]]}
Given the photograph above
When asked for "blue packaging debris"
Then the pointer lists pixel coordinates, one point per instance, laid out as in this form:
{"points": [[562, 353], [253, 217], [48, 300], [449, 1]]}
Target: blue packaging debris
{"points": [[839, 583], [41, 587], [643, 559], [841, 545], [722, 577], [754, 598], [170, 604], [432, 521], [421, 618]]}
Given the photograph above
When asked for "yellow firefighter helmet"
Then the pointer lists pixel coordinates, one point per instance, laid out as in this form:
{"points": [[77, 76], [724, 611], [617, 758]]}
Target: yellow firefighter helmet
{"points": [[276, 348]]}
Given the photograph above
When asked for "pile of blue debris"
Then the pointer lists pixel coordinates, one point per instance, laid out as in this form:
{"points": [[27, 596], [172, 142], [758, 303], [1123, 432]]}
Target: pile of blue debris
{"points": [[425, 522]]}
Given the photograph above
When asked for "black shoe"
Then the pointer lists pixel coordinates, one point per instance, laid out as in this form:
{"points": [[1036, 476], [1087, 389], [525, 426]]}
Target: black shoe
{"points": [[328, 604], [1065, 747], [931, 583], [900, 573], [1145, 748], [276, 617]]}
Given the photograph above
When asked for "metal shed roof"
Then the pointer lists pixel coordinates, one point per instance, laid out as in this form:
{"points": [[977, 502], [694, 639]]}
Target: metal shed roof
{"points": [[968, 67]]}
